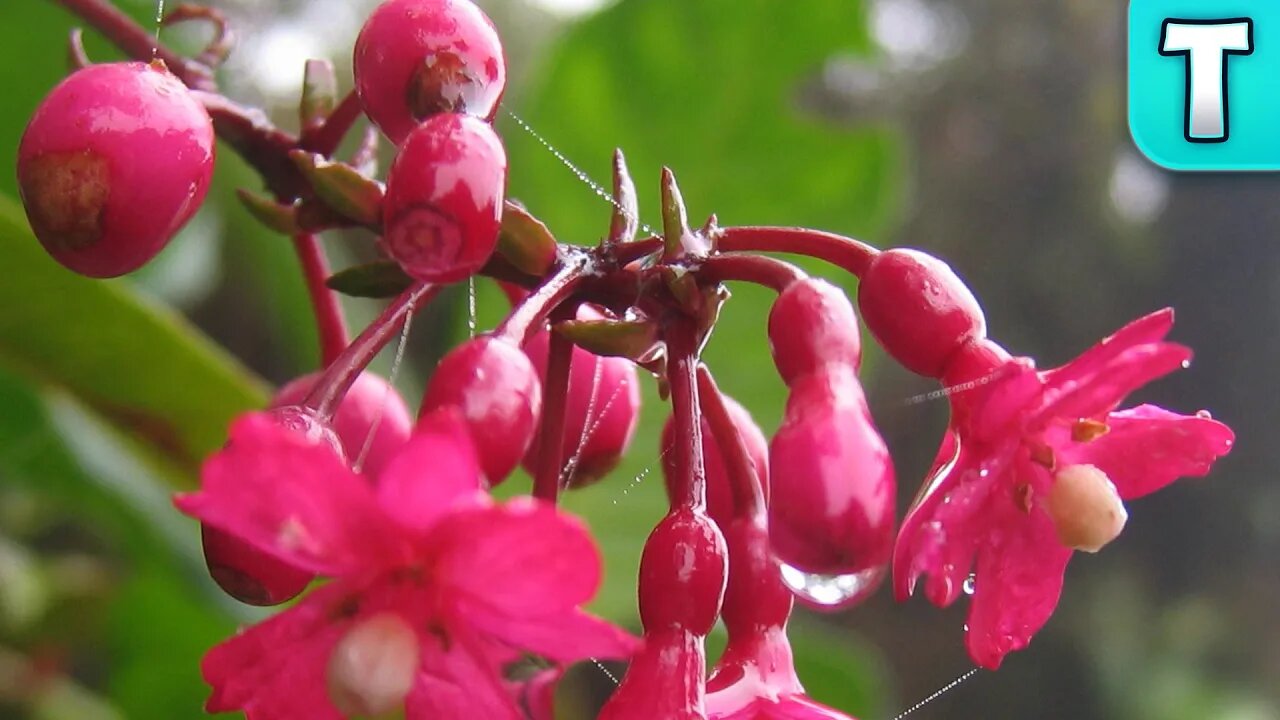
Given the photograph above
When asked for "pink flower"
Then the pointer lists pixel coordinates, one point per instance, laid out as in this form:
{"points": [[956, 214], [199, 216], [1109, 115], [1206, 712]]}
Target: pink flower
{"points": [[755, 680], [996, 494], [424, 550]]}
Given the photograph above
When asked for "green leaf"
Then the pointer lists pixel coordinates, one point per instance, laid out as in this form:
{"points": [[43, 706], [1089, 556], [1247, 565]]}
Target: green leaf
{"points": [[382, 279], [137, 363]]}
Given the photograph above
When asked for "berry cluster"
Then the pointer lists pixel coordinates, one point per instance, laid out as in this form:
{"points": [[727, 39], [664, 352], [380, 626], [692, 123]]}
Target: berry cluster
{"points": [[434, 589]]}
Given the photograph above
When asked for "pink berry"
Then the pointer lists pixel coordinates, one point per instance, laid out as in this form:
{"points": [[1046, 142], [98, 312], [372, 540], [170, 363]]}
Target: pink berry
{"points": [[417, 58], [605, 387], [115, 160], [811, 324], [370, 405], [682, 574], [755, 596], [443, 205], [832, 506], [719, 492], [494, 386], [918, 309], [242, 570]]}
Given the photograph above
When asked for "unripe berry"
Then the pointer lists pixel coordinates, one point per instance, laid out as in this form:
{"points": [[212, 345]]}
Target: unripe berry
{"points": [[918, 309], [682, 574], [370, 405], [605, 387], [811, 324], [443, 205], [115, 160], [832, 507], [416, 58], [242, 570], [373, 666], [494, 386], [719, 491]]}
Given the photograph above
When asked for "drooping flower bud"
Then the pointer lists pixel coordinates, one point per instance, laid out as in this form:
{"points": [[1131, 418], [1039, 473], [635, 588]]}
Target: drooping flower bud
{"points": [[682, 573], [832, 506], [602, 409], [373, 666], [495, 387], [719, 491], [242, 570], [416, 58], [443, 205], [371, 406], [113, 163], [918, 309], [812, 324], [1085, 507]]}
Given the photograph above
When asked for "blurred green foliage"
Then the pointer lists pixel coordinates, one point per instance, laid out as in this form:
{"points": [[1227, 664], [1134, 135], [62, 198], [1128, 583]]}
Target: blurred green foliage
{"points": [[108, 398]]}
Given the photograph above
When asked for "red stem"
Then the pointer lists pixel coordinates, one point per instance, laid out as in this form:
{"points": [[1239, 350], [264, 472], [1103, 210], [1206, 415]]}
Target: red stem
{"points": [[528, 316], [326, 138], [758, 269], [555, 391], [689, 481], [852, 255], [330, 325], [343, 371], [136, 42], [744, 481]]}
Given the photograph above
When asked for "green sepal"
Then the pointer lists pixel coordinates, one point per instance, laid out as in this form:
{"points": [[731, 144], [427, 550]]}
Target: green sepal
{"points": [[626, 209], [319, 93], [277, 216], [525, 241], [382, 279], [632, 339], [342, 188]]}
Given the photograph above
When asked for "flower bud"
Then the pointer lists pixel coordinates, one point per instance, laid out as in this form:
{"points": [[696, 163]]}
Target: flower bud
{"points": [[1086, 509], [682, 574], [755, 596], [811, 324], [443, 205], [832, 505], [373, 666], [918, 309], [719, 491], [415, 58], [370, 406], [605, 387], [496, 389], [242, 570], [115, 160]]}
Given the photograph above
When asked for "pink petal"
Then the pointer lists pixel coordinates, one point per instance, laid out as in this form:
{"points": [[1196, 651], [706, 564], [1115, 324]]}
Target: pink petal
{"points": [[1147, 329], [565, 637], [1149, 447], [275, 670], [521, 559], [1100, 392], [800, 707], [1018, 582], [292, 499], [434, 472], [457, 682]]}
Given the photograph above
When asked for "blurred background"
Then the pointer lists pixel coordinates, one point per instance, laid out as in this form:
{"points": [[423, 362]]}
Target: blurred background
{"points": [[990, 132]]}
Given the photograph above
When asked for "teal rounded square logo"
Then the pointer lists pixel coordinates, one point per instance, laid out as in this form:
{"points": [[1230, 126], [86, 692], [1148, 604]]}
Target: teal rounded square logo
{"points": [[1204, 83]]}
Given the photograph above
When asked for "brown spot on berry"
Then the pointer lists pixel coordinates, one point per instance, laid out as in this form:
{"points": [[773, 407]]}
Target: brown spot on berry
{"points": [[65, 194], [443, 83]]}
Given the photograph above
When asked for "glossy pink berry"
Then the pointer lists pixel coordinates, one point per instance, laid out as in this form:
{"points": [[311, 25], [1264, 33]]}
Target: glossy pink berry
{"points": [[832, 506], [242, 570], [602, 409], [719, 491], [495, 387], [443, 205], [416, 58], [115, 160], [918, 309], [812, 324], [371, 405], [683, 570]]}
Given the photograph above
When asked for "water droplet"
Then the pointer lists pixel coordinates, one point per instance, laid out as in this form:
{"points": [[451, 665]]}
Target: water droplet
{"points": [[1204, 415], [832, 590], [970, 584], [984, 472], [1186, 364]]}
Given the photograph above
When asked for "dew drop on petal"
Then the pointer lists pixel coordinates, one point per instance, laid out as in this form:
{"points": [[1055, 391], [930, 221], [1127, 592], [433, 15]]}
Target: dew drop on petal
{"points": [[832, 590], [970, 584]]}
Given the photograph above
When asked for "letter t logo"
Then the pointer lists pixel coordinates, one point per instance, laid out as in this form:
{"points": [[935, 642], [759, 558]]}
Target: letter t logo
{"points": [[1206, 45]]}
